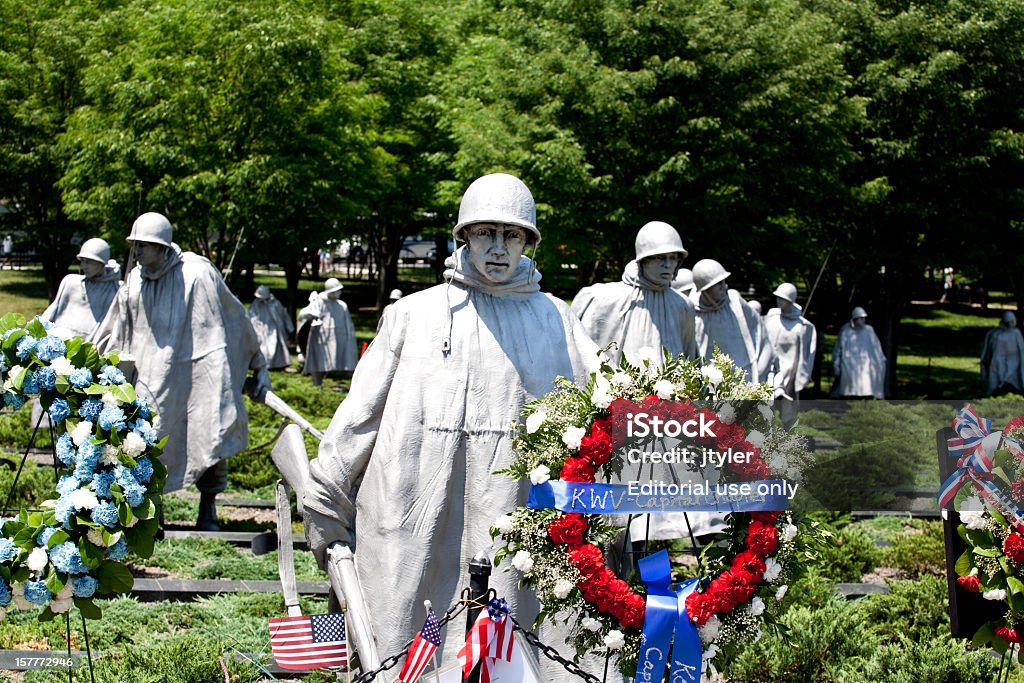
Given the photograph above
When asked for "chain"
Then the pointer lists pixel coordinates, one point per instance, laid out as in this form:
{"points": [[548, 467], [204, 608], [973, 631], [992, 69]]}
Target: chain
{"points": [[552, 654]]}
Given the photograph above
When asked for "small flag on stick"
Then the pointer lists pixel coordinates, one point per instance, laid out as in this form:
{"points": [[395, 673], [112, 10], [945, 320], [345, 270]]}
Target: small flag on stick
{"points": [[315, 641], [421, 650], [489, 638]]}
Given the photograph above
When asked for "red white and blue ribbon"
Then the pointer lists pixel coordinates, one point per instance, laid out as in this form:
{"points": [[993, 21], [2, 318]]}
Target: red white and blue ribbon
{"points": [[489, 639]]}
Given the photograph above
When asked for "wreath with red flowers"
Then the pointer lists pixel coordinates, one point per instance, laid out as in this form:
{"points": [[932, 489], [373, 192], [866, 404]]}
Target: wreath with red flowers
{"points": [[578, 434]]}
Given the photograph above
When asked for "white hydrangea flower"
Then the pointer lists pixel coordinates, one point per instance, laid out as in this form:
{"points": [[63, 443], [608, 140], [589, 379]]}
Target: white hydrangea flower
{"points": [[504, 524], [562, 588], [709, 631], [789, 532], [109, 456], [781, 593], [766, 411], [615, 639], [61, 606], [534, 421], [621, 380], [133, 445], [572, 436], [95, 537], [994, 594], [134, 520], [19, 601], [83, 499], [646, 354], [539, 475], [773, 569], [109, 400], [727, 413], [601, 398], [712, 374], [756, 607], [37, 559], [62, 366], [756, 439], [66, 592], [82, 432], [591, 624], [664, 389], [523, 562]]}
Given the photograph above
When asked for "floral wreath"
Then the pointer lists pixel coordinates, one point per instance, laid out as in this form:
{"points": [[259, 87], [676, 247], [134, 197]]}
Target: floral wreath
{"points": [[573, 435], [110, 476], [992, 522]]}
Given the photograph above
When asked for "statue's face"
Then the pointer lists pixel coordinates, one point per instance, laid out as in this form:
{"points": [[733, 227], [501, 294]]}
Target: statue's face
{"points": [[785, 305], [716, 293], [90, 269], [859, 323], [150, 254], [495, 249], [660, 269], [335, 295]]}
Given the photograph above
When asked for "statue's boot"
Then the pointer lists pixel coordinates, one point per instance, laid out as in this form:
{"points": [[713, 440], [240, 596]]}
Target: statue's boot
{"points": [[207, 520]]}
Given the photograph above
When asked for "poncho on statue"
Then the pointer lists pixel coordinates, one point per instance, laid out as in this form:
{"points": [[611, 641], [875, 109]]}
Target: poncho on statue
{"points": [[272, 324], [82, 303], [795, 341], [858, 362], [192, 346], [636, 313], [332, 336], [739, 332], [405, 470]]}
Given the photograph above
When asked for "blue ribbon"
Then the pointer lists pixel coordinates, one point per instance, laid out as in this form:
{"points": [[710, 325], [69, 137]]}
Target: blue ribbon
{"points": [[587, 498], [667, 627]]}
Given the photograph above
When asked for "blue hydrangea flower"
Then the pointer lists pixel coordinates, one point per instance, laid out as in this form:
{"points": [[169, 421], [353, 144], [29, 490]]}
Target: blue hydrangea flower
{"points": [[101, 482], [46, 378], [143, 470], [3, 363], [134, 492], [106, 514], [118, 550], [145, 411], [37, 593], [65, 558], [90, 409], [85, 586], [29, 385], [87, 460], [64, 512], [59, 410], [80, 378], [111, 418], [7, 549], [25, 346], [67, 485], [110, 374], [66, 449], [146, 432], [50, 347], [5, 593], [13, 401], [44, 536], [134, 495]]}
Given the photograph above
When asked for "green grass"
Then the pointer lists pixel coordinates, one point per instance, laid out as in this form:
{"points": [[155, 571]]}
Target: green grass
{"points": [[23, 291]]}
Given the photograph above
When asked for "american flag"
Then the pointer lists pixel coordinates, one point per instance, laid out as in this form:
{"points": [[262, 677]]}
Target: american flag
{"points": [[421, 650], [490, 637], [315, 641]]}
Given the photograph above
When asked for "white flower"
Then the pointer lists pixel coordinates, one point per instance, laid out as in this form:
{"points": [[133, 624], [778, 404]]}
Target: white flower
{"points": [[621, 380], [109, 399], [563, 588], [66, 592], [535, 420], [61, 606], [572, 436], [994, 594], [766, 411], [109, 456], [95, 537], [789, 532], [601, 398], [755, 438], [781, 593], [727, 413], [646, 354], [82, 432], [37, 559], [973, 520], [615, 639], [973, 504], [133, 445], [83, 499], [134, 520], [756, 607], [664, 389], [539, 475], [709, 631], [504, 524], [62, 366], [523, 562], [591, 624], [772, 570], [19, 600], [712, 374]]}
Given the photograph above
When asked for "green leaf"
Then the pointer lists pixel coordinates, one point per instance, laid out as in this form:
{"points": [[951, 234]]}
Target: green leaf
{"points": [[47, 614], [123, 392], [1014, 585], [963, 564], [54, 583], [92, 557], [88, 608], [36, 328], [114, 577], [57, 538], [986, 552]]}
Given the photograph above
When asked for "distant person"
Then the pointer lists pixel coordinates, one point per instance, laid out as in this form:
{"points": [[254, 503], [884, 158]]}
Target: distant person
{"points": [[795, 341], [6, 252], [857, 360], [273, 326], [1002, 358], [331, 340], [82, 301], [192, 346]]}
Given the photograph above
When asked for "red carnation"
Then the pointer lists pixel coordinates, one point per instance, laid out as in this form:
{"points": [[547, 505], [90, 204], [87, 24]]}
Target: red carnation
{"points": [[749, 562], [969, 583], [762, 538], [568, 529], [596, 447], [1013, 546], [587, 558], [765, 517], [635, 611], [577, 469], [698, 606], [1014, 425], [1008, 634]]}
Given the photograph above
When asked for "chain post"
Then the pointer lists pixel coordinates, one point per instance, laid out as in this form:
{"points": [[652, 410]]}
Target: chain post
{"points": [[479, 584]]}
